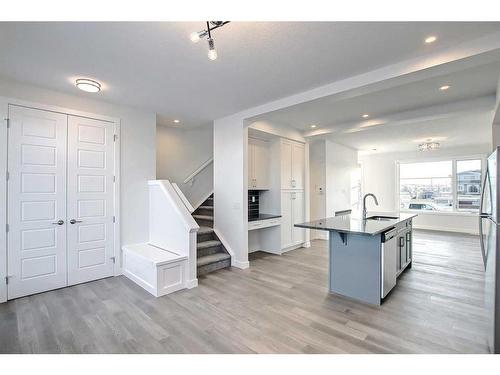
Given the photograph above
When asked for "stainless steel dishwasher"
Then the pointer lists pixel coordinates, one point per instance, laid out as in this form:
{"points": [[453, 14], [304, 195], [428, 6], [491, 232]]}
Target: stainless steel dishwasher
{"points": [[388, 262]]}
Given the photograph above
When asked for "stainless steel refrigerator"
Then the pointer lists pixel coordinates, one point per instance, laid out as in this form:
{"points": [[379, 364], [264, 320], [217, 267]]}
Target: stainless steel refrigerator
{"points": [[490, 247]]}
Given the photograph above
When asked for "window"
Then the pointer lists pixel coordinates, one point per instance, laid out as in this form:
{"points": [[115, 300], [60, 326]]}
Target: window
{"points": [[449, 185], [468, 184]]}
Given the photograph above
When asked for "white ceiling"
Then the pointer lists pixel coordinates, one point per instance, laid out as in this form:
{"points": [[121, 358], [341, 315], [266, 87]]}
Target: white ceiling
{"points": [[154, 65], [464, 129], [404, 115]]}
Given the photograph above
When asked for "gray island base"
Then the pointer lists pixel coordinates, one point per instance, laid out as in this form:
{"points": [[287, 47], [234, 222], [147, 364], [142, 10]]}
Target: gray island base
{"points": [[366, 255]]}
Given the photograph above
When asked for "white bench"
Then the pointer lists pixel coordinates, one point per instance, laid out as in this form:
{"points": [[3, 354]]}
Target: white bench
{"points": [[158, 271]]}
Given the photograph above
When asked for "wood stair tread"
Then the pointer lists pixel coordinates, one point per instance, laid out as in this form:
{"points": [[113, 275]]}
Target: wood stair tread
{"points": [[206, 244], [206, 207], [212, 258]]}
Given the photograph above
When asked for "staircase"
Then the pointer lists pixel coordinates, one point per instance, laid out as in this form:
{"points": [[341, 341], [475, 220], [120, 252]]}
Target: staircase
{"points": [[212, 255]]}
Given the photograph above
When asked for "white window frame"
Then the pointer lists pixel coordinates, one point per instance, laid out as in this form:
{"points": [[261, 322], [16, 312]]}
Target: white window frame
{"points": [[454, 188]]}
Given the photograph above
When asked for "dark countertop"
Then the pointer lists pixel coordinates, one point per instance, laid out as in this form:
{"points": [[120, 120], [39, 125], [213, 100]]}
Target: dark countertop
{"points": [[353, 223], [263, 217]]}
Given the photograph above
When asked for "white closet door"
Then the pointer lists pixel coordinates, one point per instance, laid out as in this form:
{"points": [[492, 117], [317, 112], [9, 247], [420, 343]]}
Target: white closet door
{"points": [[36, 201], [90, 199]]}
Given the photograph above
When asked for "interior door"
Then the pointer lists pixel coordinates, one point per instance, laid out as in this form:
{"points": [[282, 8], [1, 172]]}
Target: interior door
{"points": [[36, 206], [90, 199]]}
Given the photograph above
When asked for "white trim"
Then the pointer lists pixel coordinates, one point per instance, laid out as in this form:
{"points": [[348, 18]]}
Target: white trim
{"points": [[198, 170], [183, 198], [4, 104], [203, 199], [190, 284], [118, 266]]}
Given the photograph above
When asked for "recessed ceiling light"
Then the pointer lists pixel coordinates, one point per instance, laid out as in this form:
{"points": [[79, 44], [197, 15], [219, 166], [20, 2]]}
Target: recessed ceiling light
{"points": [[177, 121], [365, 115], [314, 126], [444, 88], [430, 39], [88, 85]]}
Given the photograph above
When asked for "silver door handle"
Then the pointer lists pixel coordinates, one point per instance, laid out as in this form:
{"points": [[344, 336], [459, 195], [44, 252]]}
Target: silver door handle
{"points": [[73, 221], [59, 222]]}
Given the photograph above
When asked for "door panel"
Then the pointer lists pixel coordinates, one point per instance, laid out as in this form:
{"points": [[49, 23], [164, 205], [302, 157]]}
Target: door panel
{"points": [[90, 199], [36, 201]]}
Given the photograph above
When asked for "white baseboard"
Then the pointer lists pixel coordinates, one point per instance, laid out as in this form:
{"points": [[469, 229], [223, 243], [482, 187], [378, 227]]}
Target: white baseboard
{"points": [[307, 244], [238, 264], [190, 284], [445, 229]]}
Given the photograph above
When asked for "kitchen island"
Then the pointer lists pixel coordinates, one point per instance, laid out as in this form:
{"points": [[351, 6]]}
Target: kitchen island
{"points": [[366, 255]]}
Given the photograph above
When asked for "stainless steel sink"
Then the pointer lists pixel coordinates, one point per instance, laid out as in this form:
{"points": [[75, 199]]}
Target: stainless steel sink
{"points": [[381, 218]]}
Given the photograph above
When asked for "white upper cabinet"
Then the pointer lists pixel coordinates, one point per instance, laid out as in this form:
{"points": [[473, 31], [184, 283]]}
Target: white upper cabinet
{"points": [[258, 164], [292, 165]]}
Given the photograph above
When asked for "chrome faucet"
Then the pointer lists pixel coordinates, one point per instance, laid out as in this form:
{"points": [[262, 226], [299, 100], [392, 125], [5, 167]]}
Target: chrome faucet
{"points": [[364, 203]]}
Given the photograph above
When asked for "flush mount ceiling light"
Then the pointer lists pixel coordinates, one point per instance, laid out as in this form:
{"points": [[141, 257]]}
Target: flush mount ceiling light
{"points": [[429, 146], [207, 33], [88, 85], [177, 121], [365, 115], [444, 88], [430, 39], [314, 126]]}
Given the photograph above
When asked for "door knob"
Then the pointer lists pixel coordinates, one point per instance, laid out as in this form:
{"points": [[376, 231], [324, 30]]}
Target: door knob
{"points": [[73, 221], [59, 222]]}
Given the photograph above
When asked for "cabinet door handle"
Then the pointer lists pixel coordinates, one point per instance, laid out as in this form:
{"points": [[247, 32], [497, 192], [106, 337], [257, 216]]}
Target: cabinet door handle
{"points": [[74, 221], [401, 241], [59, 222]]}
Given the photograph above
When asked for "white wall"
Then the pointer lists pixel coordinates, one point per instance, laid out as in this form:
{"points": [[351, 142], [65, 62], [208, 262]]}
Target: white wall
{"points": [[230, 187], [138, 155], [331, 165], [379, 177], [179, 152], [340, 162]]}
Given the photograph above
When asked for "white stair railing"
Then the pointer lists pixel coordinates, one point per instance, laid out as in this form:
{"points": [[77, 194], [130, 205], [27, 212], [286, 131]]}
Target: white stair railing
{"points": [[190, 179]]}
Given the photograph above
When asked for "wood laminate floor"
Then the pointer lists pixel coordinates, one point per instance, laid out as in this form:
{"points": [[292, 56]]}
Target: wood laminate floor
{"points": [[279, 305]]}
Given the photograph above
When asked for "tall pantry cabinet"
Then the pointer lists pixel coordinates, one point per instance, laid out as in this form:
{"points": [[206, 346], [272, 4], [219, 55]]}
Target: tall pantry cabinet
{"points": [[292, 165]]}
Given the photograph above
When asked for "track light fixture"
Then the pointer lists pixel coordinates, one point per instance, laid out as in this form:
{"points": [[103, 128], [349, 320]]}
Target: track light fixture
{"points": [[207, 33]]}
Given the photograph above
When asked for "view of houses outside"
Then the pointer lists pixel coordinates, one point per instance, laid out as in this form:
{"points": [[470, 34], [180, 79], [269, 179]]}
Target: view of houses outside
{"points": [[428, 186]]}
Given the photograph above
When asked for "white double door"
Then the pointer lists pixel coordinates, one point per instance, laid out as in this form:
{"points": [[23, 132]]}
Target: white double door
{"points": [[60, 200]]}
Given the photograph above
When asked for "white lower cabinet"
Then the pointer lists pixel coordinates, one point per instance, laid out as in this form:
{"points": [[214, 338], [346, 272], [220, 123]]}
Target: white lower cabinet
{"points": [[292, 212]]}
